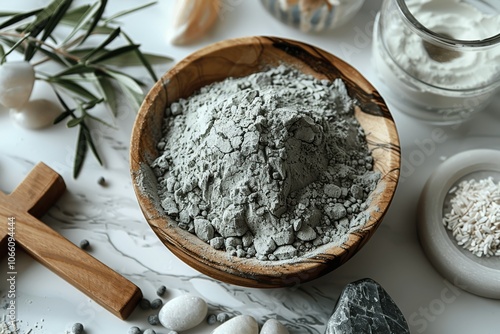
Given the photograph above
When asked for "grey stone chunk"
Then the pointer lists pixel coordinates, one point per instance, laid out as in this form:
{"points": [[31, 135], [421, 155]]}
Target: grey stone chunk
{"points": [[176, 108], [264, 245], [217, 242], [232, 242], [233, 222], [284, 237], [170, 207], [332, 190], [313, 217], [364, 307], [297, 224], [306, 233], [335, 211], [203, 229], [357, 191], [285, 252], [247, 239]]}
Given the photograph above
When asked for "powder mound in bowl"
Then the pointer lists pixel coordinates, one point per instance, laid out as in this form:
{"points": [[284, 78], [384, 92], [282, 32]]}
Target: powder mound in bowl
{"points": [[271, 165]]}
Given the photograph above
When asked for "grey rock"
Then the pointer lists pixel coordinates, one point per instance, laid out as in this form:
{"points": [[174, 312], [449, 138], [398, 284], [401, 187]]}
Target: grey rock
{"points": [[364, 307], [264, 245], [170, 206], [203, 229], [357, 191], [332, 190], [285, 252], [313, 217], [217, 242], [335, 211], [297, 224], [233, 222], [284, 237], [306, 233], [247, 239], [232, 242]]}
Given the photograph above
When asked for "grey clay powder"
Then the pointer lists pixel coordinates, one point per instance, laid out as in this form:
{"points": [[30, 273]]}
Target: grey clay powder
{"points": [[272, 165]]}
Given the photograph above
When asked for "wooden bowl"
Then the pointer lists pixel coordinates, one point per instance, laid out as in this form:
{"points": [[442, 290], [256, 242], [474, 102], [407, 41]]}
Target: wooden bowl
{"points": [[241, 57]]}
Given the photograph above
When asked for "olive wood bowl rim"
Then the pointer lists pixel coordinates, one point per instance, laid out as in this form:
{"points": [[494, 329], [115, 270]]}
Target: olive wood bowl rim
{"points": [[252, 272]]}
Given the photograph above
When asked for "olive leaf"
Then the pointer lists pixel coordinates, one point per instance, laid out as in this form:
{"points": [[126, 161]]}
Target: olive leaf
{"points": [[81, 152], [109, 93], [82, 19], [84, 75], [96, 19], [128, 11]]}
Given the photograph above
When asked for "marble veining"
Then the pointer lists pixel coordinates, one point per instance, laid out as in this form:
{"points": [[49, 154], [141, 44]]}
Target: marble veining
{"points": [[110, 218]]}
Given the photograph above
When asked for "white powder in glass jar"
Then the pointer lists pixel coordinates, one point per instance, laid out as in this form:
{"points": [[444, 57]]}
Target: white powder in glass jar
{"points": [[459, 21], [423, 76]]}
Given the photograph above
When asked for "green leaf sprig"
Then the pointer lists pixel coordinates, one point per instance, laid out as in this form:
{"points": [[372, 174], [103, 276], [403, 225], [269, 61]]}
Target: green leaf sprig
{"points": [[88, 76]]}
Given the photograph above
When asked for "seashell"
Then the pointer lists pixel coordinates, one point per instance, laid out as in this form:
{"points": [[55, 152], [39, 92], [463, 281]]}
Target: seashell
{"points": [[192, 19]]}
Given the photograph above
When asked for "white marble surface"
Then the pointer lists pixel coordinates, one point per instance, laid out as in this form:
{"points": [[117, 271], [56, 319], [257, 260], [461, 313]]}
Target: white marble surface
{"points": [[110, 218]]}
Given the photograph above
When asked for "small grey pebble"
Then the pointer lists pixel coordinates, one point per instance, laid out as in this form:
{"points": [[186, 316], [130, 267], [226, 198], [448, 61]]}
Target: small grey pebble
{"points": [[154, 320], [161, 290], [222, 317], [134, 330], [101, 181], [149, 331], [145, 304], [172, 332], [156, 303], [211, 319], [84, 244], [77, 328]]}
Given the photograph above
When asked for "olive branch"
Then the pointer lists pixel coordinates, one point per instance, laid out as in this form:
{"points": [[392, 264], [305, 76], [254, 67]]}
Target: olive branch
{"points": [[86, 76]]}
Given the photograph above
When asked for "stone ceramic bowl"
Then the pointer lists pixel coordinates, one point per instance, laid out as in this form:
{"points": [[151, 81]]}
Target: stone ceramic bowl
{"points": [[241, 57]]}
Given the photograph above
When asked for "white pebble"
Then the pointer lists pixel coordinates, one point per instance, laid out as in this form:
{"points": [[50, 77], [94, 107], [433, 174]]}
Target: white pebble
{"points": [[183, 312], [36, 114], [273, 326], [17, 79], [242, 324]]}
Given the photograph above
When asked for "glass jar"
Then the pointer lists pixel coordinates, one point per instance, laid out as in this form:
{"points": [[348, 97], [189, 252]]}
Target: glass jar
{"points": [[313, 15], [439, 60]]}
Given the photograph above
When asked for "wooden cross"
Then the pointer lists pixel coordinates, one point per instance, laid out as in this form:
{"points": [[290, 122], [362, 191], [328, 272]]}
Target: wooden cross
{"points": [[19, 212]]}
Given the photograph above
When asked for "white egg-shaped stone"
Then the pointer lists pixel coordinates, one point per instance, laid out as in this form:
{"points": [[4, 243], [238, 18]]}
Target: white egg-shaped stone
{"points": [[242, 324], [36, 114], [183, 312], [273, 326], [16, 83]]}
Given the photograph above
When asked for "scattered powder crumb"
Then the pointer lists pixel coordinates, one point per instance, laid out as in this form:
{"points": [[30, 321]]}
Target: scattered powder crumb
{"points": [[474, 216], [84, 244], [161, 290], [154, 320], [145, 304], [156, 303], [223, 317], [102, 181], [77, 328], [134, 330], [211, 319], [270, 166]]}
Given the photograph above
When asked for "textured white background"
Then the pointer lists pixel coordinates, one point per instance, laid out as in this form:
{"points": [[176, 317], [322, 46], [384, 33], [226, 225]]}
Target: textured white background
{"points": [[111, 219]]}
